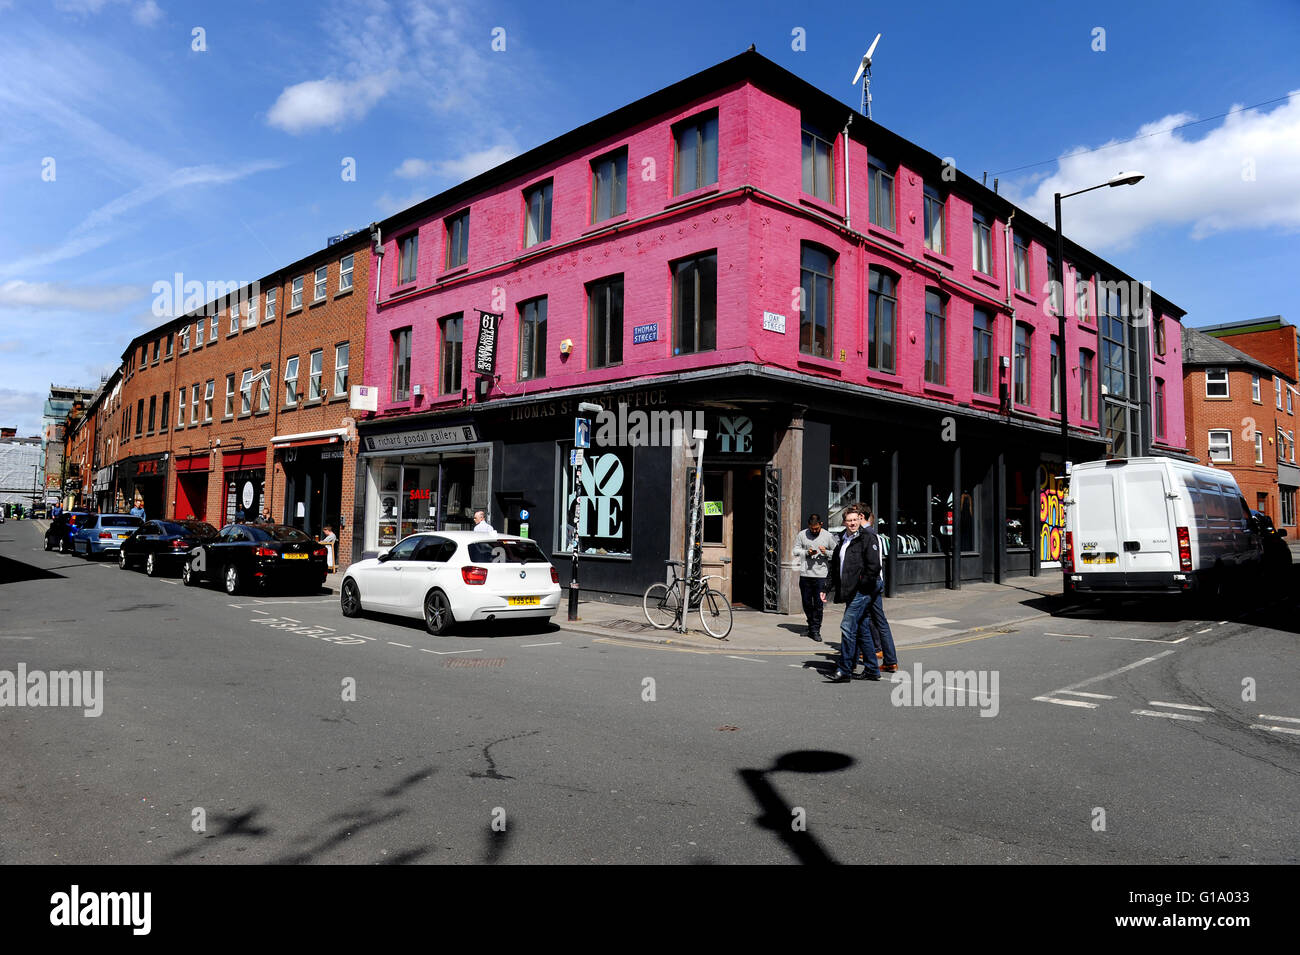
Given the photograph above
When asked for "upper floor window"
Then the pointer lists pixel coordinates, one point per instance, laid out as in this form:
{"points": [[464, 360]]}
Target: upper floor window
{"points": [[935, 220], [180, 407], [982, 352], [817, 295], [166, 411], [291, 380], [537, 200], [1085, 385], [1259, 446], [319, 287], [295, 295], [453, 334], [345, 272], [1158, 407], [1216, 384], [981, 243], [213, 329], [881, 194], [1254, 388], [882, 313], [605, 322], [185, 346], [1022, 362], [168, 350], [270, 304], [230, 395], [194, 403], [1221, 446], [250, 313], [155, 349], [209, 392], [1054, 373], [264, 389], [1022, 261], [532, 339], [410, 248], [245, 392], [458, 240], [402, 364], [1055, 291], [198, 332], [935, 337], [1160, 334], [696, 153], [1081, 309], [1277, 389], [1288, 401], [695, 304], [341, 369], [609, 186], [234, 320], [316, 367], [818, 166]]}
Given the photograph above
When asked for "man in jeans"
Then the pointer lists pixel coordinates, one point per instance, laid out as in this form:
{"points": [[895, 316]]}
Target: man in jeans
{"points": [[855, 568], [813, 550], [881, 635]]}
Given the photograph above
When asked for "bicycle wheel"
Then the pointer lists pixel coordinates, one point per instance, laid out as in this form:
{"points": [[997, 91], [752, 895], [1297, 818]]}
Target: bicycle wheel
{"points": [[715, 614], [661, 604]]}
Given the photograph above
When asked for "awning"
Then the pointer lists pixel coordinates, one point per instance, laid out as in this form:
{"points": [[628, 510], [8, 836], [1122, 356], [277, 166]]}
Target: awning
{"points": [[244, 460], [195, 462]]}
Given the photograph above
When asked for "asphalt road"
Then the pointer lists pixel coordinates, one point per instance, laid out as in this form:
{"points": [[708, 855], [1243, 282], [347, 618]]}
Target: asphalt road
{"points": [[231, 712]]}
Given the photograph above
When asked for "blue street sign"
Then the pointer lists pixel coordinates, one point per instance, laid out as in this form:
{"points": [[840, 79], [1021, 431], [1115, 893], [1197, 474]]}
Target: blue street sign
{"points": [[645, 333], [582, 432]]}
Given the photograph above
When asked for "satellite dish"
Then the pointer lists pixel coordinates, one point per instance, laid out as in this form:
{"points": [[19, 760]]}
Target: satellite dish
{"points": [[866, 61]]}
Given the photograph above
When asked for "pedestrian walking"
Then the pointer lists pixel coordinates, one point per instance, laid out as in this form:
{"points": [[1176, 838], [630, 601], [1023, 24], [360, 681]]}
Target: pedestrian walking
{"points": [[480, 523], [812, 548], [881, 636], [855, 564]]}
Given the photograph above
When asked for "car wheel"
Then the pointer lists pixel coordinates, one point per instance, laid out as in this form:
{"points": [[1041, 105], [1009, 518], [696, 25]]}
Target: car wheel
{"points": [[121, 559], [437, 613], [231, 579], [151, 566], [63, 545], [46, 542], [188, 577], [350, 599]]}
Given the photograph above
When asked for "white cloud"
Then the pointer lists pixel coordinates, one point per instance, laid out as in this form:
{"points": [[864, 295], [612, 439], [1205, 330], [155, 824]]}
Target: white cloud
{"points": [[328, 102], [414, 169], [60, 295], [147, 14], [1242, 174], [471, 164]]}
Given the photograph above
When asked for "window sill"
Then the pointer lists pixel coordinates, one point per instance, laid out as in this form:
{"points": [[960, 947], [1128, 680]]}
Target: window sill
{"points": [[293, 311], [602, 225], [1086, 327], [691, 196], [939, 258], [285, 409], [342, 292], [884, 377], [822, 205], [1163, 359], [884, 235], [986, 279], [813, 363], [268, 321], [318, 301], [1222, 398], [943, 391], [454, 272], [1024, 297], [986, 401], [261, 414]]}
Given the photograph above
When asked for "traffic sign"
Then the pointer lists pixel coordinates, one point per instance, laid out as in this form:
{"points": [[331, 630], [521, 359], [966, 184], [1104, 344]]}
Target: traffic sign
{"points": [[582, 432], [575, 457]]}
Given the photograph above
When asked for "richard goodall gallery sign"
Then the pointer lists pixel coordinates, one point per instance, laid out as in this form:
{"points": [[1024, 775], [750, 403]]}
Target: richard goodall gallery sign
{"points": [[428, 437]]}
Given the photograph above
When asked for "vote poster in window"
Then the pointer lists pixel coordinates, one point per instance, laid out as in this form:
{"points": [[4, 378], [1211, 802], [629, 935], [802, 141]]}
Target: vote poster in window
{"points": [[604, 502]]}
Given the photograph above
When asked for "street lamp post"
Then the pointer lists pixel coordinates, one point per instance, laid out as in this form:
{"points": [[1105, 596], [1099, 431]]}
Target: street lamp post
{"points": [[1121, 179], [585, 407]]}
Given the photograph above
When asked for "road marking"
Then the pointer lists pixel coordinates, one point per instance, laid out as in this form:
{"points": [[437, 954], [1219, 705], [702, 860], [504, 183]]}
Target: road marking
{"points": [[555, 644], [392, 644], [363, 636], [1276, 729], [291, 620], [1222, 622], [1182, 706], [1279, 719], [1052, 699], [1107, 676], [1091, 696], [1206, 630], [1048, 633], [750, 659], [926, 623], [174, 583], [1145, 639], [1169, 716], [445, 652]]}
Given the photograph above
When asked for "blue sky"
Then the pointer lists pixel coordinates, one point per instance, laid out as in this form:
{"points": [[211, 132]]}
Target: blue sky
{"points": [[224, 163]]}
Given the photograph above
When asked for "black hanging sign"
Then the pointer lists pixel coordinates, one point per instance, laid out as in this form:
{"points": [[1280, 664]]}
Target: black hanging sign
{"points": [[485, 354]]}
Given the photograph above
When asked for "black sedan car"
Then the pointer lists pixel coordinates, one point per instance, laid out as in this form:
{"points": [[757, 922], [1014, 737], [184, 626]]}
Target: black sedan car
{"points": [[58, 536], [163, 545], [1277, 553], [257, 556]]}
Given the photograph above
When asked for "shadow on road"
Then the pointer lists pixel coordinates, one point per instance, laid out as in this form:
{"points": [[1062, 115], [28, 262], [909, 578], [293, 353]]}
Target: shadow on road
{"points": [[780, 817], [15, 571]]}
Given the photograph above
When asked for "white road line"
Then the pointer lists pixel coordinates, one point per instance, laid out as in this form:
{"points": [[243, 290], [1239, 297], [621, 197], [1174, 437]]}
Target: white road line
{"points": [[445, 652], [1169, 716], [392, 644], [363, 636], [1091, 696], [1048, 633], [1145, 639], [555, 644], [1276, 729], [1052, 699], [291, 620], [1182, 706], [1279, 719], [750, 659], [174, 583], [255, 611], [1222, 622], [1206, 630], [1107, 676]]}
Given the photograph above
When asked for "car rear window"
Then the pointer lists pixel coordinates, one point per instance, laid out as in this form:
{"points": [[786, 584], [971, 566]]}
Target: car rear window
{"points": [[196, 528], [506, 552], [120, 521], [282, 532]]}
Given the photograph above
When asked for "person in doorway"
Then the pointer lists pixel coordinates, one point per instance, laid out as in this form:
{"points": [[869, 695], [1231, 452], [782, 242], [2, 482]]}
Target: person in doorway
{"points": [[331, 542], [138, 510], [881, 636], [812, 548], [266, 516], [854, 565], [480, 523]]}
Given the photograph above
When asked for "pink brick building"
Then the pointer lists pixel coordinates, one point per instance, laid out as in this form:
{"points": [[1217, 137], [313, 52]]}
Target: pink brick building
{"points": [[851, 318]]}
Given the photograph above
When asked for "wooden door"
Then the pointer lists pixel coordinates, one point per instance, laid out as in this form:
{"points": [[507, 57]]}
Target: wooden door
{"points": [[717, 531]]}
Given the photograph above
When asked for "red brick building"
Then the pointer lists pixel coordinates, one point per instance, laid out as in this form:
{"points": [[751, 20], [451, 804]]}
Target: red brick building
{"points": [[1238, 419], [240, 406]]}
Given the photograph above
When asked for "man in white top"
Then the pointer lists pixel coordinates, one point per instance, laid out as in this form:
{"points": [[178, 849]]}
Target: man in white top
{"points": [[480, 523]]}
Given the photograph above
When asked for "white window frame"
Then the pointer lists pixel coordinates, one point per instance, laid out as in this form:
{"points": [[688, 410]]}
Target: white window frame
{"points": [[214, 329], [247, 307], [1254, 389], [230, 395], [209, 392], [198, 333], [246, 392], [1290, 440], [194, 403], [291, 380], [271, 295], [1224, 382], [295, 297], [320, 284], [316, 367], [234, 320], [264, 389], [185, 346], [1277, 389], [345, 271], [342, 355], [1259, 446], [1222, 446], [180, 407]]}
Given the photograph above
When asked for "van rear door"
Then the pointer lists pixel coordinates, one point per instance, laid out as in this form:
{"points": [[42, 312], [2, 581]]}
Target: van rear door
{"points": [[1148, 544], [1096, 528]]}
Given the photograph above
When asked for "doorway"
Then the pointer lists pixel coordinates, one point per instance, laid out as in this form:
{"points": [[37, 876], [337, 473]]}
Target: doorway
{"points": [[732, 532]]}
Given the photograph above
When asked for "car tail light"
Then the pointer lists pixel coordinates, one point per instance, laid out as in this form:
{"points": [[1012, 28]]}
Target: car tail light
{"points": [[555, 576], [178, 545], [264, 552], [474, 575], [320, 552], [1067, 559], [105, 535], [1184, 549]]}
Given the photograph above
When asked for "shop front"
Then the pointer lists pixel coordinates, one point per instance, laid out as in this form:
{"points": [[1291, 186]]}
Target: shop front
{"points": [[191, 501], [103, 488], [313, 481], [142, 482], [244, 476]]}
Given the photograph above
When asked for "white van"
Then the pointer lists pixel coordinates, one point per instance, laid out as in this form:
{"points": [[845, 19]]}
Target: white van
{"points": [[1156, 526]]}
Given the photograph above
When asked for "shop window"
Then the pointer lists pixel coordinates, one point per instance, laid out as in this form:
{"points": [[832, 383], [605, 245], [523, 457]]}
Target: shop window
{"points": [[926, 513], [1019, 516], [605, 514], [1286, 497]]}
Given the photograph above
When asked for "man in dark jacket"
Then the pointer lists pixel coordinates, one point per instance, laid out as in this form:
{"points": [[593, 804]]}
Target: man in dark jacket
{"points": [[855, 569]]}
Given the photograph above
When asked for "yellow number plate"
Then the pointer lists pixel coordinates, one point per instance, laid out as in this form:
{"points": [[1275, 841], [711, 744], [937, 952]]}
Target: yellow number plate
{"points": [[525, 601], [295, 556], [1095, 559]]}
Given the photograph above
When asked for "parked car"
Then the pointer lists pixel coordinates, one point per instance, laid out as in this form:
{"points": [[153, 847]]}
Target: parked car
{"points": [[163, 546], [1139, 526], [58, 536], [256, 555], [1277, 553], [103, 533], [454, 576]]}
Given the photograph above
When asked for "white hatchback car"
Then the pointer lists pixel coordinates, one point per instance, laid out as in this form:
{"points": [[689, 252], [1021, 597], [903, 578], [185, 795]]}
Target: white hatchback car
{"points": [[452, 577]]}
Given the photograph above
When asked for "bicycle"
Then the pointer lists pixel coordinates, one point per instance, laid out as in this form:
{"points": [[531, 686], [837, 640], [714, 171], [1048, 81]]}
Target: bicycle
{"points": [[663, 603]]}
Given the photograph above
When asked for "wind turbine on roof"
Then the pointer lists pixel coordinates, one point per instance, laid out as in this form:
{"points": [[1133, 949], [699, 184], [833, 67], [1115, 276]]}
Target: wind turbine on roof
{"points": [[864, 70]]}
